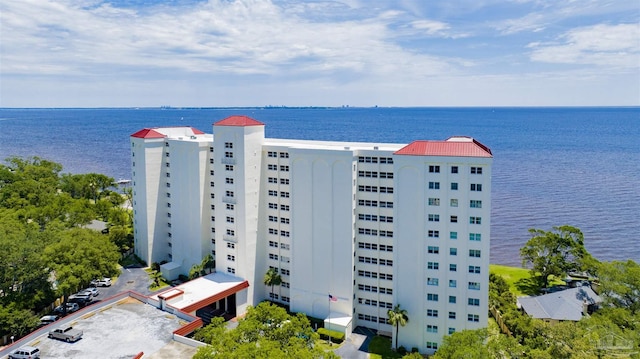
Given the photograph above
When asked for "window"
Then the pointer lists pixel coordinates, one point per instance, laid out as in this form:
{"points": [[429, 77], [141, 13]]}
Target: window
{"points": [[273, 219], [452, 330], [273, 256], [453, 251], [388, 160], [454, 169], [228, 145], [384, 204], [474, 269], [231, 270], [386, 174], [434, 218], [284, 168], [434, 169], [211, 160], [433, 265], [386, 189], [453, 235], [432, 281], [285, 246], [284, 155], [432, 328], [453, 283], [284, 207], [475, 220], [432, 313], [231, 258], [434, 234], [432, 297], [453, 267], [273, 193], [230, 207], [272, 180], [362, 188], [367, 203], [454, 219], [474, 285], [452, 315], [284, 220], [228, 154], [474, 302], [434, 185], [231, 245], [453, 202], [273, 231], [272, 154], [231, 232], [273, 206], [475, 237], [434, 201], [452, 299], [433, 249], [474, 253], [476, 187], [284, 181], [169, 175], [271, 167], [228, 180], [432, 345], [228, 168], [475, 204], [285, 233], [229, 194], [284, 194], [273, 244], [285, 271], [476, 170], [454, 186]]}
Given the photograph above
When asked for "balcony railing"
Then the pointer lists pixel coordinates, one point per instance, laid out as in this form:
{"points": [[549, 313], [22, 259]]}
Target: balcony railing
{"points": [[228, 161]]}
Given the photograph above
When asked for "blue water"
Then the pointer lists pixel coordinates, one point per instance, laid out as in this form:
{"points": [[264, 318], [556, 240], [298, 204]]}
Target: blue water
{"points": [[552, 166]]}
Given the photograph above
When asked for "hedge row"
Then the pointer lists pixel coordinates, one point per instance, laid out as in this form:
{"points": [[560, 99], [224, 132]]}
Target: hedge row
{"points": [[336, 336]]}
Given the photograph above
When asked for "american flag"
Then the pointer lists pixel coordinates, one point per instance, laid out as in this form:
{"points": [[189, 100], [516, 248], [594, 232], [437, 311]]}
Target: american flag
{"points": [[332, 298]]}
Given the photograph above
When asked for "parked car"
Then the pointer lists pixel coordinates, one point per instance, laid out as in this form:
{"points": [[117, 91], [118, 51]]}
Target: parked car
{"points": [[66, 333], [102, 282], [82, 299], [48, 319], [25, 352], [93, 290], [71, 307]]}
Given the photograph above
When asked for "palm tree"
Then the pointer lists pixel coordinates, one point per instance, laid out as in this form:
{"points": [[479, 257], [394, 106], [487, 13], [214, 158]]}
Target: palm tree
{"points": [[397, 317], [208, 263], [272, 277]]}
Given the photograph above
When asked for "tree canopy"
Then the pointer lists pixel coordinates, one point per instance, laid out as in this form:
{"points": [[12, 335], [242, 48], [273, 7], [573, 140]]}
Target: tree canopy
{"points": [[556, 253], [46, 251], [267, 331]]}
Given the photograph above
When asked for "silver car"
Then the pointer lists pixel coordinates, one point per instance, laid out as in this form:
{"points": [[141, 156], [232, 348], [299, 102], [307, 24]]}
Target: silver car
{"points": [[25, 352]]}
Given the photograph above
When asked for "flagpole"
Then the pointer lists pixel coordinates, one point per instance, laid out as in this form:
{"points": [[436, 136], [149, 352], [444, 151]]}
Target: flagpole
{"points": [[328, 336]]}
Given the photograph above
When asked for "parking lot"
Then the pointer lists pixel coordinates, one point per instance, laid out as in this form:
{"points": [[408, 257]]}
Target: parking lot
{"points": [[120, 330]]}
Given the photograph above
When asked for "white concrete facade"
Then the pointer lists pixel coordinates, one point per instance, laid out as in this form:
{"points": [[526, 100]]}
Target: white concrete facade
{"points": [[374, 225]]}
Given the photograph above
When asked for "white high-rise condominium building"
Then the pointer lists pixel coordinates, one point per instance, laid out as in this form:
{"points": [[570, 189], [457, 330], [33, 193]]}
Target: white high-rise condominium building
{"points": [[371, 224]]}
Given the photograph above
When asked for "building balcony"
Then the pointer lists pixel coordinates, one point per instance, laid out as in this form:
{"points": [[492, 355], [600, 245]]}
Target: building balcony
{"points": [[228, 161], [228, 199], [230, 238]]}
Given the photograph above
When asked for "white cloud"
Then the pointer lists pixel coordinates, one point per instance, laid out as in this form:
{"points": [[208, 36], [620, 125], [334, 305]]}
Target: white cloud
{"points": [[602, 45]]}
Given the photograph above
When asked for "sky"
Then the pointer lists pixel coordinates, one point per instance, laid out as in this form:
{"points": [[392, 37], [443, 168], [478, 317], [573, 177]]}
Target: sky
{"points": [[232, 53]]}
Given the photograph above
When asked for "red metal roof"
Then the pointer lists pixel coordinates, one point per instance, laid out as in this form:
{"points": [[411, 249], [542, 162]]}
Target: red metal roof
{"points": [[238, 121], [449, 148], [155, 132], [148, 133]]}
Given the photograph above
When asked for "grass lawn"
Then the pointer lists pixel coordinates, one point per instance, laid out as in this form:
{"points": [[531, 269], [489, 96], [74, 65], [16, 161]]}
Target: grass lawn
{"points": [[380, 348], [519, 279]]}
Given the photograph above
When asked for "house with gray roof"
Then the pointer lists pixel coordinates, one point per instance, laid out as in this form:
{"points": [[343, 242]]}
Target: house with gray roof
{"points": [[570, 304]]}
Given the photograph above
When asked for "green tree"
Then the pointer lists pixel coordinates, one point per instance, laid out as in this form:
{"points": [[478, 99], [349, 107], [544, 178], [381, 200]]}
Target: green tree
{"points": [[79, 256], [555, 253], [16, 321], [397, 317], [267, 331], [464, 344], [272, 278], [619, 284]]}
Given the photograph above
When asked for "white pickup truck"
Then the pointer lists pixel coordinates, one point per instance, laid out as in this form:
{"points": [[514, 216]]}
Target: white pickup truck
{"points": [[66, 333]]}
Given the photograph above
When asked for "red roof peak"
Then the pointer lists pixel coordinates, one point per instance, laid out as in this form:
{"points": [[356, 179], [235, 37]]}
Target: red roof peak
{"points": [[148, 133], [453, 147], [238, 121]]}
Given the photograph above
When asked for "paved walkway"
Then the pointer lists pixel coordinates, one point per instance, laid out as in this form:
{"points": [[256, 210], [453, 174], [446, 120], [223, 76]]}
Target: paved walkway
{"points": [[357, 346]]}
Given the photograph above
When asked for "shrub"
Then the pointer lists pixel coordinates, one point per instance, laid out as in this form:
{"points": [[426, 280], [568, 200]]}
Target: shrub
{"points": [[402, 350], [414, 350], [335, 336]]}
